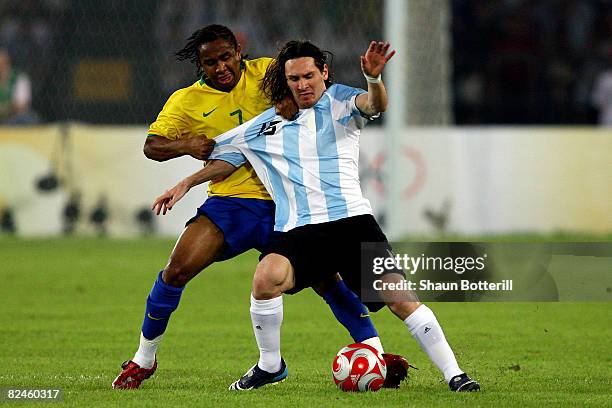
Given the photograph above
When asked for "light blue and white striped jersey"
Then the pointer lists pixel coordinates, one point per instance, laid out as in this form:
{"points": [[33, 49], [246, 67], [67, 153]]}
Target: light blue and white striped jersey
{"points": [[309, 165]]}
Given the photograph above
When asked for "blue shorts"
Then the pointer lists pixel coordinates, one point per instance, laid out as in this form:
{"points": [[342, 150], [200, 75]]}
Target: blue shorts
{"points": [[246, 223]]}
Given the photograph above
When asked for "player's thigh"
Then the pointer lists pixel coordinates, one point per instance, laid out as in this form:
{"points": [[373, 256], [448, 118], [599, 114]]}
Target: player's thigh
{"points": [[364, 242], [199, 245], [300, 248]]}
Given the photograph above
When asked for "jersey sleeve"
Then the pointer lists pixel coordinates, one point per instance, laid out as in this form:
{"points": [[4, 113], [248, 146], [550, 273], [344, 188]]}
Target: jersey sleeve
{"points": [[232, 145], [227, 145], [345, 107], [171, 122], [226, 151]]}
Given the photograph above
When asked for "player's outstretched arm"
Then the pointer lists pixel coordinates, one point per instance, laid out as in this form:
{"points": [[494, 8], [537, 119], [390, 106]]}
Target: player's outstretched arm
{"points": [[372, 64], [215, 169], [161, 149]]}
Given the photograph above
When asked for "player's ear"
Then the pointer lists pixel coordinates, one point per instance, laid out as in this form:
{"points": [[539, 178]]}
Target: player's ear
{"points": [[239, 51], [325, 72]]}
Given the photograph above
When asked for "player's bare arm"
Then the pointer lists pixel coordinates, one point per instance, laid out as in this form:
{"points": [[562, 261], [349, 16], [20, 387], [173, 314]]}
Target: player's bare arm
{"points": [[215, 169], [161, 149], [372, 64]]}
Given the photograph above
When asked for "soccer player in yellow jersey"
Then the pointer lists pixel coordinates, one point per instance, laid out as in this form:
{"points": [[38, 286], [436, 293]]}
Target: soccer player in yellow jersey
{"points": [[239, 213]]}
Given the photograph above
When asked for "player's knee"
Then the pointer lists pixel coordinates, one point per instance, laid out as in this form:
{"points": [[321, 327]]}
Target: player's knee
{"points": [[262, 289], [178, 273], [264, 283], [200, 245], [270, 279]]}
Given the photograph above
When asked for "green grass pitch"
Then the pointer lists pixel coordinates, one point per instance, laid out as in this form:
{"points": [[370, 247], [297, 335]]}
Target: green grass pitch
{"points": [[71, 311]]}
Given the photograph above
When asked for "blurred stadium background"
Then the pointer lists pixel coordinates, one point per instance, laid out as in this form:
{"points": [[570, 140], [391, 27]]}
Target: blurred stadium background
{"points": [[493, 126]]}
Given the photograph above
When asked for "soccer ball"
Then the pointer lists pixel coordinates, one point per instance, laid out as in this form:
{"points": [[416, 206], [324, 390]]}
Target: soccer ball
{"points": [[359, 367]]}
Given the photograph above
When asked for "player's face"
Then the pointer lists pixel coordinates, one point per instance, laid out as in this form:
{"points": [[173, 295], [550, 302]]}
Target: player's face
{"points": [[221, 63], [306, 81]]}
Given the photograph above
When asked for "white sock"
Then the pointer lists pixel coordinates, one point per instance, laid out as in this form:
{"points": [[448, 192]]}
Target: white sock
{"points": [[145, 355], [425, 328], [267, 318], [374, 342]]}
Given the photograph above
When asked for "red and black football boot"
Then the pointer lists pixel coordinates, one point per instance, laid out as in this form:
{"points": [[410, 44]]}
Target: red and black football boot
{"points": [[397, 370], [132, 375]]}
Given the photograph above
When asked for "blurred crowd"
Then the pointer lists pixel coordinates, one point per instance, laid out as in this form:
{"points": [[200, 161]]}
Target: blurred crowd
{"points": [[532, 62], [344, 27], [27, 44], [514, 61]]}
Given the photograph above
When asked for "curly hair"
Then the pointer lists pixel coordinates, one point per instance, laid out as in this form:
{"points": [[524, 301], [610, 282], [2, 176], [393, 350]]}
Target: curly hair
{"points": [[274, 84], [205, 35]]}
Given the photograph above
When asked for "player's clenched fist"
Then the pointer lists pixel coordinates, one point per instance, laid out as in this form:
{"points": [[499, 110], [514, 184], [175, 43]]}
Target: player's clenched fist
{"points": [[199, 147], [286, 107]]}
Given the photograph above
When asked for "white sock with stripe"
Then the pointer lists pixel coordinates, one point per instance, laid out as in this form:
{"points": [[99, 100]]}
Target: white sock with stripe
{"points": [[267, 318], [425, 328]]}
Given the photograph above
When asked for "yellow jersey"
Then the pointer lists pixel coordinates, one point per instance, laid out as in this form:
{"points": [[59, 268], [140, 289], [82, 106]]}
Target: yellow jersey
{"points": [[201, 110]]}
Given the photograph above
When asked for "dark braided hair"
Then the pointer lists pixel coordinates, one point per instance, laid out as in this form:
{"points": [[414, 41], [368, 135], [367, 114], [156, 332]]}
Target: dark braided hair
{"points": [[204, 35], [274, 84]]}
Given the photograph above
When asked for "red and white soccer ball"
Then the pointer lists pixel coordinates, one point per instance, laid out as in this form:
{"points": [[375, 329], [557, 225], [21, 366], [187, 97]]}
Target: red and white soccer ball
{"points": [[359, 367]]}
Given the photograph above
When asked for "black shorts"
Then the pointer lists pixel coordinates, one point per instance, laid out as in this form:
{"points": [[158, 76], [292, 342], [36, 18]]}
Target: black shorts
{"points": [[318, 251]]}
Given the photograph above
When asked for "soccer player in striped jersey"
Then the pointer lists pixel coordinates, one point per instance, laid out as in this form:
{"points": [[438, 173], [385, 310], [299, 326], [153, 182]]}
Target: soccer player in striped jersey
{"points": [[239, 213], [310, 167]]}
